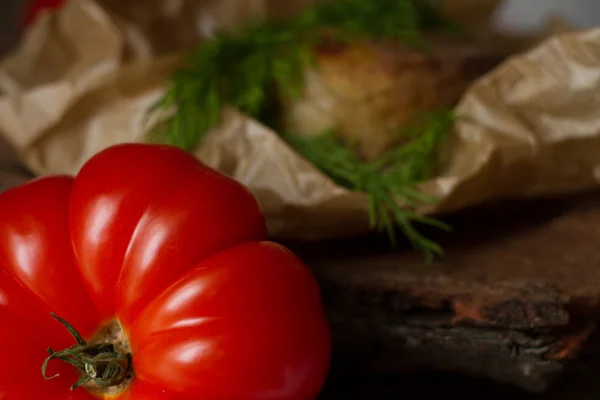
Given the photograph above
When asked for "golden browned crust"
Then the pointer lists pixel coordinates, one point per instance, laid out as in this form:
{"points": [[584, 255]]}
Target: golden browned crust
{"points": [[370, 90]]}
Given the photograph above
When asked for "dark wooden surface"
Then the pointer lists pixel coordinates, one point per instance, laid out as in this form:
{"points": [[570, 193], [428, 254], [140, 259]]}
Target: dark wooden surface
{"points": [[354, 385], [515, 299]]}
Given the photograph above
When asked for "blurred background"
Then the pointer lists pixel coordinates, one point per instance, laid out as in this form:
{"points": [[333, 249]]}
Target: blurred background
{"points": [[514, 15]]}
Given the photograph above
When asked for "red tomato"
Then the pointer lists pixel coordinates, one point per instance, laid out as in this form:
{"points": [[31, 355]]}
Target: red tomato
{"points": [[36, 6], [177, 254]]}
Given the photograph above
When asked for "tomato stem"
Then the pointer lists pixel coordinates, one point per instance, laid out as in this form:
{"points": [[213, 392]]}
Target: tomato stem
{"points": [[99, 363]]}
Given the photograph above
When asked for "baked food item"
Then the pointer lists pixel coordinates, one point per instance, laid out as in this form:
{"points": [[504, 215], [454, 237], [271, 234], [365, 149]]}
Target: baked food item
{"points": [[370, 90]]}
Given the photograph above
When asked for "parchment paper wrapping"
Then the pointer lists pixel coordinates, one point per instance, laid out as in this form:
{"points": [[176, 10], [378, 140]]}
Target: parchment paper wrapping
{"points": [[83, 79]]}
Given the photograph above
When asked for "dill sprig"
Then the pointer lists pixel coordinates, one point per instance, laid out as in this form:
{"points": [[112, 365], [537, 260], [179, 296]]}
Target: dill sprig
{"points": [[248, 68], [390, 181]]}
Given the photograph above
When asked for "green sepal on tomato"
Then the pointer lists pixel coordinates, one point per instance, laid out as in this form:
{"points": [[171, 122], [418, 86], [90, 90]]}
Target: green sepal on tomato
{"points": [[167, 263]]}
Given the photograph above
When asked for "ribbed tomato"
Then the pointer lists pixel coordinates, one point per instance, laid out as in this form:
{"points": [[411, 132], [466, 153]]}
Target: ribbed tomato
{"points": [[160, 268]]}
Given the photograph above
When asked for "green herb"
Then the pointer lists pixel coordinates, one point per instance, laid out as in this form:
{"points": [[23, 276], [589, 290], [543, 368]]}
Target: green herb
{"points": [[244, 70], [389, 181]]}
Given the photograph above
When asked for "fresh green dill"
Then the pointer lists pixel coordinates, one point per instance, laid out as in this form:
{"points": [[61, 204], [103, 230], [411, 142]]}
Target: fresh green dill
{"points": [[245, 69], [390, 181]]}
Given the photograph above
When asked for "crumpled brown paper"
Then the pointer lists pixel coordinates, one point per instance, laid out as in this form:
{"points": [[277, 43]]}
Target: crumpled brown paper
{"points": [[83, 79]]}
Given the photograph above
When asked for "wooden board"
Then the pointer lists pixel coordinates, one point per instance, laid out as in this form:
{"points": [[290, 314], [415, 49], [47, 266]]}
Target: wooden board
{"points": [[355, 385], [515, 299]]}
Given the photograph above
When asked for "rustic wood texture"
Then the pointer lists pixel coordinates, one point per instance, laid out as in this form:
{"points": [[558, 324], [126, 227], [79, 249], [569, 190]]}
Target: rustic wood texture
{"points": [[515, 299], [356, 385]]}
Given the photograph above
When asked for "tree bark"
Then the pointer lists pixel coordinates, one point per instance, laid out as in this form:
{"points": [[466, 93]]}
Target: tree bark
{"points": [[515, 299]]}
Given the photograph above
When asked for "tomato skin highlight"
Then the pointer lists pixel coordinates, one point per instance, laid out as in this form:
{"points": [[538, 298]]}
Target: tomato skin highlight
{"points": [[178, 254], [235, 331], [134, 209], [35, 248]]}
